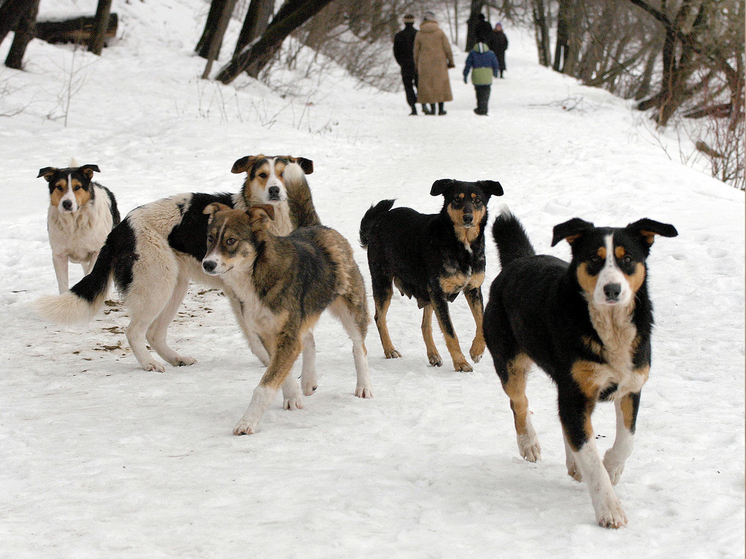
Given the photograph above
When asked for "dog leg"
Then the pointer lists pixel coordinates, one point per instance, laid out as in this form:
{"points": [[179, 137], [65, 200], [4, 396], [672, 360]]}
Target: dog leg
{"points": [[255, 343], [572, 467], [286, 352], [383, 300], [575, 414], [476, 304], [626, 418], [291, 396], [353, 315], [60, 270], [515, 388], [308, 381], [427, 334], [444, 320], [136, 338], [156, 334], [88, 266]]}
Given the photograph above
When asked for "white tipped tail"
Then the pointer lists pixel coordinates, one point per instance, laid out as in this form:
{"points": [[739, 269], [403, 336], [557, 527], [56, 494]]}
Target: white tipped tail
{"points": [[67, 308]]}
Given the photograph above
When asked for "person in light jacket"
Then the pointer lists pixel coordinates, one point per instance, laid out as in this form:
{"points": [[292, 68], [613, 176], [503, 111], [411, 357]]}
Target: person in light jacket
{"points": [[433, 57], [483, 65]]}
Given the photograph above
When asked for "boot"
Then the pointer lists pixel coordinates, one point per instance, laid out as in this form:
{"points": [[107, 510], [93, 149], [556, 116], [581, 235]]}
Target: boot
{"points": [[425, 110], [414, 111], [441, 110]]}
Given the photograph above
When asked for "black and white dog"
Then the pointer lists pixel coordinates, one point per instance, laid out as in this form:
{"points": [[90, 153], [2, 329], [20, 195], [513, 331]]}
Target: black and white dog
{"points": [[157, 250], [587, 324], [81, 215]]}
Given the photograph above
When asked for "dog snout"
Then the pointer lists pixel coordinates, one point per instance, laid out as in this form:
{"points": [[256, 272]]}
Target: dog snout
{"points": [[274, 192], [209, 266], [468, 219], [612, 291], [67, 205]]}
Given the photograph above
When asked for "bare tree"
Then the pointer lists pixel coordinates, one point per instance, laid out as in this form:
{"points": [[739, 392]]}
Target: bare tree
{"points": [[103, 10], [252, 60], [24, 32], [255, 23], [11, 12]]}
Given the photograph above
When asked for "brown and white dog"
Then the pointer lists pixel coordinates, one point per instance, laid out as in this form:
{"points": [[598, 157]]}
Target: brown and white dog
{"points": [[81, 215], [283, 285], [157, 250]]}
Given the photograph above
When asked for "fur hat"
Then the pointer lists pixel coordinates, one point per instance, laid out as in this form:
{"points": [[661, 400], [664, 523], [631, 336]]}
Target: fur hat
{"points": [[409, 18], [429, 16]]}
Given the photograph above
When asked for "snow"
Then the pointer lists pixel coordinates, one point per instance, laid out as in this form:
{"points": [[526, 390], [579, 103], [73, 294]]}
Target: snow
{"points": [[102, 459]]}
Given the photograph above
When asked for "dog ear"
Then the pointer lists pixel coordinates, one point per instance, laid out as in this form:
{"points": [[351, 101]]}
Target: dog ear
{"points": [[214, 208], [440, 186], [492, 188], [305, 164], [571, 230], [47, 173], [648, 229], [243, 164], [259, 218], [88, 170]]}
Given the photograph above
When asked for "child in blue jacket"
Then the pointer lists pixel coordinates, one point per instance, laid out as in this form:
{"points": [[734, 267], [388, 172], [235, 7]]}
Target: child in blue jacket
{"points": [[483, 65]]}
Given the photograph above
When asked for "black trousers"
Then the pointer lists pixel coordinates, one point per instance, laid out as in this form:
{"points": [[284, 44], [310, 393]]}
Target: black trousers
{"points": [[483, 98], [410, 84]]}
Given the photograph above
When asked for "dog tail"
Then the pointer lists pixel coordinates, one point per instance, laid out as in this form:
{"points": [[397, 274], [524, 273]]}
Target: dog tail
{"points": [[85, 298], [510, 237], [300, 202], [366, 224]]}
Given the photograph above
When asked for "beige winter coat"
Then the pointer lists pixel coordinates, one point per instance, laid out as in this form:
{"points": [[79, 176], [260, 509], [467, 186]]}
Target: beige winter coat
{"points": [[432, 57]]}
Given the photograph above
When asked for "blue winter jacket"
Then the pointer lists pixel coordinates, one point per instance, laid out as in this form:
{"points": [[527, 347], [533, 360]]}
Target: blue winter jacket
{"points": [[484, 64]]}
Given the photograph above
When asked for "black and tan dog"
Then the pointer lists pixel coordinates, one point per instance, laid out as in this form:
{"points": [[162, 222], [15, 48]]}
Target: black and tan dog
{"points": [[157, 250], [587, 323], [283, 285], [81, 214], [432, 258]]}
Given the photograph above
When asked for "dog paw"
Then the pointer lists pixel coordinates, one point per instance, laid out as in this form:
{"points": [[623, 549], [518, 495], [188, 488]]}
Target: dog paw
{"points": [[434, 359], [244, 428], [613, 466], [477, 350], [293, 403], [391, 354], [183, 361], [309, 390], [612, 515], [363, 392], [462, 365], [154, 366], [528, 446]]}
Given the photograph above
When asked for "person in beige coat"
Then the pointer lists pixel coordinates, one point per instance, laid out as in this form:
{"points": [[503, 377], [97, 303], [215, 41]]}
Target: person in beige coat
{"points": [[433, 57]]}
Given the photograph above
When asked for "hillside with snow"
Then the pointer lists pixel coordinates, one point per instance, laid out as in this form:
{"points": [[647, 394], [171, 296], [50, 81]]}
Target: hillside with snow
{"points": [[102, 459]]}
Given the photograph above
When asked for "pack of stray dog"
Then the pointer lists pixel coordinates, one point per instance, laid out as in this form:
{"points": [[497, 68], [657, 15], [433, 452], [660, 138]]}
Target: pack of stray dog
{"points": [[587, 322]]}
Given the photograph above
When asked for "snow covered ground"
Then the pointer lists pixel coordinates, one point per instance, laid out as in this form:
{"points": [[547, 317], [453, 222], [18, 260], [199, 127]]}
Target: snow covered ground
{"points": [[102, 459]]}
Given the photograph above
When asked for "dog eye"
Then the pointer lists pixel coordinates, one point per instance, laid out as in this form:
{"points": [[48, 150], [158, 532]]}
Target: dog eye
{"points": [[77, 187], [59, 187], [595, 259], [210, 239], [627, 259], [230, 241], [263, 175]]}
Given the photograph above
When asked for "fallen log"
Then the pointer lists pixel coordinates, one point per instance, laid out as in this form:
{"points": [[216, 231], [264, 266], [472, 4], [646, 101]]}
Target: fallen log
{"points": [[76, 30]]}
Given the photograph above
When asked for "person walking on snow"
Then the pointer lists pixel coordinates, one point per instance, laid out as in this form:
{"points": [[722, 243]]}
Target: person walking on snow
{"points": [[433, 58], [404, 55], [483, 65], [498, 42]]}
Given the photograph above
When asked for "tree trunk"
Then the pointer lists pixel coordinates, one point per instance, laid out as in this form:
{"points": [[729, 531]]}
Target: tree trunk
{"points": [[216, 39], [11, 12], [292, 15], [542, 32], [254, 24], [100, 27], [24, 33], [213, 19], [77, 30], [471, 24]]}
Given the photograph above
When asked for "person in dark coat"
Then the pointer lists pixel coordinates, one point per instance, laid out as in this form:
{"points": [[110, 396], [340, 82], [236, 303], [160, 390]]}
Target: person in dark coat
{"points": [[404, 55], [499, 44]]}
